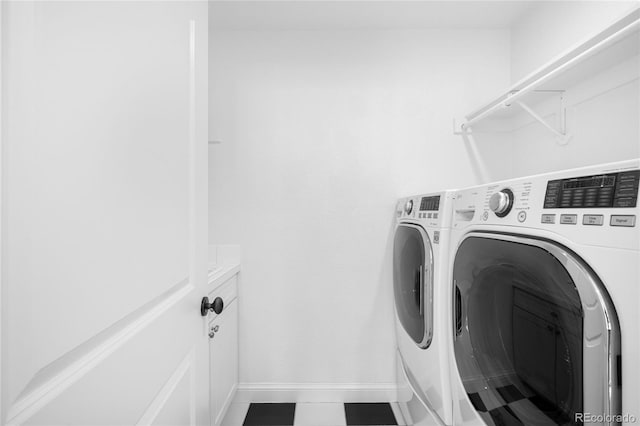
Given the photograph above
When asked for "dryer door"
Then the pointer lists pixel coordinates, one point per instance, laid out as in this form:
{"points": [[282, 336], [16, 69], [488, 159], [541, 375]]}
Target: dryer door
{"points": [[413, 282], [536, 336]]}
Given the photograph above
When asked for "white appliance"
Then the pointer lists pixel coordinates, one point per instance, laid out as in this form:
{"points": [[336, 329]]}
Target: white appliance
{"points": [[546, 289], [423, 301]]}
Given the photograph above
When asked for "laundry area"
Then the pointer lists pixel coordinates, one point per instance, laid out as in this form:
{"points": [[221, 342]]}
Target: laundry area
{"points": [[320, 213]]}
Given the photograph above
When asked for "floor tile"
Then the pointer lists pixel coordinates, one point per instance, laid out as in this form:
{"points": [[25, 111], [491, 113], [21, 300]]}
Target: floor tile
{"points": [[504, 416], [510, 393], [320, 414], [369, 414], [397, 412], [490, 399], [477, 401], [550, 409], [236, 413], [281, 414], [530, 414]]}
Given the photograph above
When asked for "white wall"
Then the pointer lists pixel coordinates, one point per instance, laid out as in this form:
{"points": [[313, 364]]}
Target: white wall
{"points": [[321, 132], [602, 118], [549, 28], [602, 111]]}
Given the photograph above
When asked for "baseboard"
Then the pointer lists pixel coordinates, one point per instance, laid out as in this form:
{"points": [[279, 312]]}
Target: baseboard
{"points": [[317, 392]]}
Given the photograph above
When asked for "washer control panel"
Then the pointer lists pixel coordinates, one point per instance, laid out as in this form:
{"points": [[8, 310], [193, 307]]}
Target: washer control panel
{"points": [[599, 191], [429, 207], [592, 205], [431, 210], [431, 203]]}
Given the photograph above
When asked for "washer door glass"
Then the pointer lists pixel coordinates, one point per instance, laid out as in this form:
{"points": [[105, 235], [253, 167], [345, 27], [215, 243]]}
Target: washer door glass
{"points": [[412, 263], [520, 324]]}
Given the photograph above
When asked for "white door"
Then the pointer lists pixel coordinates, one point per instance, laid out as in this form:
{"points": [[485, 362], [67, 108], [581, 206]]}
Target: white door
{"points": [[104, 213]]}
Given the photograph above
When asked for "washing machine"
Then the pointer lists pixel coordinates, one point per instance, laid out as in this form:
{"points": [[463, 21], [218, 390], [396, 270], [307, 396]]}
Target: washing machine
{"points": [[545, 285], [422, 303]]}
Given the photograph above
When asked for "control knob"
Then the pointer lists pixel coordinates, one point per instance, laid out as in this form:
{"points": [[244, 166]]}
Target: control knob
{"points": [[408, 207], [501, 202]]}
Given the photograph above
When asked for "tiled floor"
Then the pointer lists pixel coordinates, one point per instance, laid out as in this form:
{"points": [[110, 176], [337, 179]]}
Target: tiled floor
{"points": [[312, 414], [514, 404]]}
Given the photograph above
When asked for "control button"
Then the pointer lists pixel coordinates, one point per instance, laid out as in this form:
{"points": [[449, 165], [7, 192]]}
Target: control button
{"points": [[429, 215], [435, 215], [626, 191], [568, 219], [522, 216], [548, 218], [623, 220], [625, 202], [593, 219]]}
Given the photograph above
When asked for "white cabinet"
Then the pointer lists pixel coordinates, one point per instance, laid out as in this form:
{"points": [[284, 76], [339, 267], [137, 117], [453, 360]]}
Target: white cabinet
{"points": [[223, 350]]}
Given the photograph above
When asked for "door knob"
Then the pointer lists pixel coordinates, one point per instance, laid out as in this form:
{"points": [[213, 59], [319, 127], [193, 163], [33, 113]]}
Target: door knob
{"points": [[216, 306]]}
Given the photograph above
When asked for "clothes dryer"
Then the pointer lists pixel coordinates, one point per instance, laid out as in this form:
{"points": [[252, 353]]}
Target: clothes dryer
{"points": [[423, 300], [546, 295]]}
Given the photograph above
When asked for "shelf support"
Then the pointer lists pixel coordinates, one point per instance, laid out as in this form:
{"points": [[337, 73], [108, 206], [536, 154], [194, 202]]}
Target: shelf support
{"points": [[611, 40], [562, 137]]}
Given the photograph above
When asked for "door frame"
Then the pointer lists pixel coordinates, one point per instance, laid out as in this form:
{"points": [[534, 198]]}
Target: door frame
{"points": [[2, 195]]}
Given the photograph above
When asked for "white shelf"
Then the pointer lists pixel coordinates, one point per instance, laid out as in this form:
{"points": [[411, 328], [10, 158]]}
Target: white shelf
{"points": [[616, 44]]}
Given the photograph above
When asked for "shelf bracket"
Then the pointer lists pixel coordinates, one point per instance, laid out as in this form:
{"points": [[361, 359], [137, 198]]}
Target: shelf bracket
{"points": [[562, 137], [460, 129]]}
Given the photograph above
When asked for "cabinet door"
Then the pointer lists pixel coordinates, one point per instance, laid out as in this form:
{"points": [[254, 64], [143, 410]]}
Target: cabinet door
{"points": [[224, 361]]}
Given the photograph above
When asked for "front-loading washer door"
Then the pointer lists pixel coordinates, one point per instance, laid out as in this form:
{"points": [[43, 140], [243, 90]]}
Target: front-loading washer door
{"points": [[536, 336], [413, 282]]}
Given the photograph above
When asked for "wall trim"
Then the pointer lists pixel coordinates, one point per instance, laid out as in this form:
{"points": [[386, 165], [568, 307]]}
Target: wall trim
{"points": [[2, 207], [57, 376], [318, 392], [160, 400]]}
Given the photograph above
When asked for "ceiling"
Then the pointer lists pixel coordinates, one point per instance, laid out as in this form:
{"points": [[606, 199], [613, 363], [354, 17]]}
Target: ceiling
{"points": [[364, 14]]}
